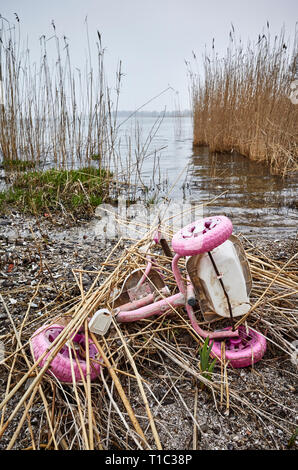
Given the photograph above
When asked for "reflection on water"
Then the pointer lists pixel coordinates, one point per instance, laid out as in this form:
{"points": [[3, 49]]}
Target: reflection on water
{"points": [[252, 196]]}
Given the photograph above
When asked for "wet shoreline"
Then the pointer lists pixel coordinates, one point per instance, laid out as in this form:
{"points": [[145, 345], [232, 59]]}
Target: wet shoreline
{"points": [[258, 203]]}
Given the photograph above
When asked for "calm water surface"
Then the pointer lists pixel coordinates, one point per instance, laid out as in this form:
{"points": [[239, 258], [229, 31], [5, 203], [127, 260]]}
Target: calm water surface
{"points": [[257, 203]]}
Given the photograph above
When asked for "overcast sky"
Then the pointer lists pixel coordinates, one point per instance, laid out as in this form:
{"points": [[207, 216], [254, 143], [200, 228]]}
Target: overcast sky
{"points": [[152, 38]]}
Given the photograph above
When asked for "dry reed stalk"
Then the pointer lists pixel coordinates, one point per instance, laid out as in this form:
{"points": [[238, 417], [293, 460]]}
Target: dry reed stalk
{"points": [[227, 388], [222, 366], [140, 385], [49, 420], [120, 391], [55, 428], [31, 433], [112, 403], [83, 427], [195, 432], [21, 421], [89, 390]]}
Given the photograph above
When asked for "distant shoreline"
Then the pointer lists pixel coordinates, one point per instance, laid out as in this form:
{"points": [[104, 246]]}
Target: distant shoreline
{"points": [[175, 114]]}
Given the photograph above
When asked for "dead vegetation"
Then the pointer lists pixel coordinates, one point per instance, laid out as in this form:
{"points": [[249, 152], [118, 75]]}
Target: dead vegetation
{"points": [[243, 102], [149, 394]]}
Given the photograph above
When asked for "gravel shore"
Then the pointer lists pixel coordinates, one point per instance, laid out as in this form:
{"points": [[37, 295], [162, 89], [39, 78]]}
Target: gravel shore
{"points": [[44, 252]]}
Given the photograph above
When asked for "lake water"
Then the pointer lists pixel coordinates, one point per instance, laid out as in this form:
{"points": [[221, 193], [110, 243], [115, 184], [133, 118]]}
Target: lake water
{"points": [[257, 202]]}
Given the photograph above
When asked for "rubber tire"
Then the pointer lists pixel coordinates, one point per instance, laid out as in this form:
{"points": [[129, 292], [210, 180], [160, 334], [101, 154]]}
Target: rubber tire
{"points": [[243, 357], [202, 242], [60, 366]]}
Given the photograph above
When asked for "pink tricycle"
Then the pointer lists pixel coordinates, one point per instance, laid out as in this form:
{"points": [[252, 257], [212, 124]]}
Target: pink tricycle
{"points": [[218, 281]]}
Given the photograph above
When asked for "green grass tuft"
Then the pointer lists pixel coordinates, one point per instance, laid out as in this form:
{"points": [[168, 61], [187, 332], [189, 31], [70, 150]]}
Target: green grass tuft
{"points": [[18, 165], [53, 190]]}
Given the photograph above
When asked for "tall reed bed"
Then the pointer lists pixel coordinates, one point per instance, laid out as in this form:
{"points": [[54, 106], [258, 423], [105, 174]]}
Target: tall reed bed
{"points": [[52, 111], [242, 102], [54, 115]]}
